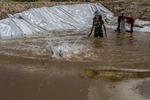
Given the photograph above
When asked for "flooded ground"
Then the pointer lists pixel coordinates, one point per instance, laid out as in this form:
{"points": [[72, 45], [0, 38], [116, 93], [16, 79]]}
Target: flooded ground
{"points": [[71, 66]]}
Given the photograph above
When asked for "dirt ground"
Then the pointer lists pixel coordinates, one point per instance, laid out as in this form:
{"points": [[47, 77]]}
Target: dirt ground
{"points": [[136, 8]]}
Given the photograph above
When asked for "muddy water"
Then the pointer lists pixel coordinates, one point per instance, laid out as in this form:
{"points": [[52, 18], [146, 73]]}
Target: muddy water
{"points": [[71, 66]]}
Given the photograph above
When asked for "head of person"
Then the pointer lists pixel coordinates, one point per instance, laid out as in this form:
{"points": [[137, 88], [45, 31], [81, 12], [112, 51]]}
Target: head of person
{"points": [[122, 13], [98, 16]]}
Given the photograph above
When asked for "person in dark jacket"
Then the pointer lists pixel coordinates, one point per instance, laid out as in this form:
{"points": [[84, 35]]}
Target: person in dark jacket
{"points": [[97, 26]]}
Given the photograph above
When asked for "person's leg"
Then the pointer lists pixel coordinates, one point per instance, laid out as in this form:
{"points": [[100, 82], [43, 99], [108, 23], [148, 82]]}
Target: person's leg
{"points": [[118, 28], [101, 34], [131, 30], [95, 34]]}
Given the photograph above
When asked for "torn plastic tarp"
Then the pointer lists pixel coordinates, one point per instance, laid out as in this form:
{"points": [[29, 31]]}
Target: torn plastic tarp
{"points": [[45, 19], [59, 18]]}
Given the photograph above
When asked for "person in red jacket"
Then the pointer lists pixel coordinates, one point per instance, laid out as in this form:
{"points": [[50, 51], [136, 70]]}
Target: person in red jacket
{"points": [[130, 20]]}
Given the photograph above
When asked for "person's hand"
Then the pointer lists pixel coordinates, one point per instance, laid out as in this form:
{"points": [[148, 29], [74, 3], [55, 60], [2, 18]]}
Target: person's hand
{"points": [[89, 35]]}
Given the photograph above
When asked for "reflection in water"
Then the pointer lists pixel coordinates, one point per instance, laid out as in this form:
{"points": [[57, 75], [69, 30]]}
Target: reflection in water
{"points": [[124, 39], [97, 43], [100, 90], [143, 88]]}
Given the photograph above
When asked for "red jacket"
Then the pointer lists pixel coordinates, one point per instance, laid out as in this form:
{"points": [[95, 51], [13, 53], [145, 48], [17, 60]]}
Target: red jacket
{"points": [[129, 19]]}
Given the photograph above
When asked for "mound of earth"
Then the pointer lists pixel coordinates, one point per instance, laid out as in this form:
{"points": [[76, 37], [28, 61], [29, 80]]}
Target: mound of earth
{"points": [[136, 8]]}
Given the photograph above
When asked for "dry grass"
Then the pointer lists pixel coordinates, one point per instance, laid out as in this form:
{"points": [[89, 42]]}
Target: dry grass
{"points": [[113, 75]]}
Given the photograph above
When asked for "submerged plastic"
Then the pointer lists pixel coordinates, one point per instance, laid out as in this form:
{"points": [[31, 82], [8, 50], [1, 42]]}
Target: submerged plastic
{"points": [[59, 18]]}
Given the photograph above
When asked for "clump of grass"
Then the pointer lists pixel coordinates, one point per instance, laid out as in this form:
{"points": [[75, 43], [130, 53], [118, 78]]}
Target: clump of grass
{"points": [[113, 75], [89, 73], [26, 0]]}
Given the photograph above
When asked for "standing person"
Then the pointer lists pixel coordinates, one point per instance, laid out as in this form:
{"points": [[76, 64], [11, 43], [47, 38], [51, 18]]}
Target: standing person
{"points": [[121, 23], [98, 23]]}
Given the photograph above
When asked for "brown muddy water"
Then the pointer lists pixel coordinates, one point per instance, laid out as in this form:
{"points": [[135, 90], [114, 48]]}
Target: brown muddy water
{"points": [[71, 66]]}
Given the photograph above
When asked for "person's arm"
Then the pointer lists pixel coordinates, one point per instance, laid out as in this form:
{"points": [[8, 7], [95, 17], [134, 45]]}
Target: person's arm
{"points": [[91, 31], [104, 29], [92, 28]]}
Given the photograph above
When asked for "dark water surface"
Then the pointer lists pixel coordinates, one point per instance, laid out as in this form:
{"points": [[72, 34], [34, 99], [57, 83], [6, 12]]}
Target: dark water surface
{"points": [[72, 66]]}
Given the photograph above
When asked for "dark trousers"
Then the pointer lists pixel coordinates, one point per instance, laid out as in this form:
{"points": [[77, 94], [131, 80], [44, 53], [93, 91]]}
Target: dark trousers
{"points": [[98, 34]]}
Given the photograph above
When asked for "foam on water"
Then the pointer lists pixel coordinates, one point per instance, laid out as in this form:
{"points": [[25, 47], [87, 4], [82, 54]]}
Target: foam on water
{"points": [[63, 48]]}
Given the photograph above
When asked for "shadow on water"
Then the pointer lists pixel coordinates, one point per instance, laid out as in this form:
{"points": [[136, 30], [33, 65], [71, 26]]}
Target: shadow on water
{"points": [[124, 38], [143, 88], [97, 43]]}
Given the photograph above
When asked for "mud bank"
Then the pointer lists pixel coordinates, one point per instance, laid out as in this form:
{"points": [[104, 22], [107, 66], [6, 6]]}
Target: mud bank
{"points": [[15, 7], [136, 8]]}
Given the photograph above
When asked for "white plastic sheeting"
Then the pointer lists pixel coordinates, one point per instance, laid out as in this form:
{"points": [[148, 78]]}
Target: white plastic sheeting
{"points": [[45, 19], [139, 25]]}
